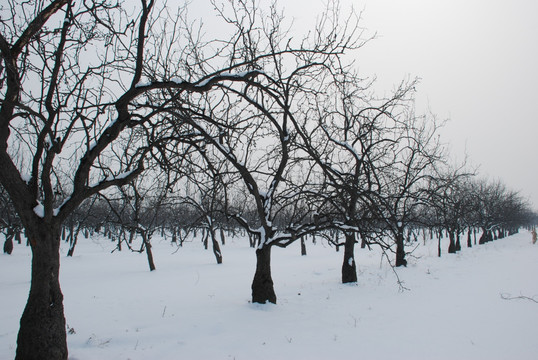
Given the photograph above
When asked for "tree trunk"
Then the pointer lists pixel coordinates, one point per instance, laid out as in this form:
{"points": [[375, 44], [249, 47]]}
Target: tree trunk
{"points": [[8, 244], [458, 243], [72, 245], [485, 237], [149, 253], [400, 250], [469, 242], [262, 285], [363, 242], [337, 241], [73, 241], [222, 237], [303, 246], [349, 269], [452, 244], [439, 247], [205, 238], [42, 332], [121, 237], [251, 240], [216, 247]]}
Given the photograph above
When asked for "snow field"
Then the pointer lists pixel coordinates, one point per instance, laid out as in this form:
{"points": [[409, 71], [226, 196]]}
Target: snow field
{"points": [[192, 308]]}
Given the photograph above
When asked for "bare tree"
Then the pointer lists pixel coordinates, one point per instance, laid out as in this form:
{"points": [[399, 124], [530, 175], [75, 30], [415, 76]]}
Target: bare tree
{"points": [[140, 205], [252, 125], [497, 209], [415, 154], [451, 201], [210, 179], [74, 84], [350, 143]]}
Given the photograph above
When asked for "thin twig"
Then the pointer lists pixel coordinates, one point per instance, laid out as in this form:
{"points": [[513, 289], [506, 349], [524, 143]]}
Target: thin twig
{"points": [[400, 282], [509, 297]]}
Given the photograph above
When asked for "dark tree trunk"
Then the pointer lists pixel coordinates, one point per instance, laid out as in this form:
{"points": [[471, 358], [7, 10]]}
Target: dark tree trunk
{"points": [[149, 253], [486, 236], [482, 239], [458, 243], [400, 250], [252, 240], [363, 242], [216, 247], [424, 236], [452, 244], [469, 242], [303, 246], [262, 285], [349, 269], [42, 332], [8, 243], [72, 246], [73, 241], [337, 241], [121, 236], [439, 247], [222, 237], [205, 239]]}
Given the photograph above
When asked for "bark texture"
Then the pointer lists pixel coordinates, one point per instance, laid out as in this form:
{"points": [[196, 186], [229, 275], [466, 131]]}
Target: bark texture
{"points": [[349, 268], [400, 250], [42, 333], [452, 244], [262, 285]]}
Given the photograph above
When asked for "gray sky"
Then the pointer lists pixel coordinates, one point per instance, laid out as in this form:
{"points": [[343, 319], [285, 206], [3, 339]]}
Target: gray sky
{"points": [[478, 61]]}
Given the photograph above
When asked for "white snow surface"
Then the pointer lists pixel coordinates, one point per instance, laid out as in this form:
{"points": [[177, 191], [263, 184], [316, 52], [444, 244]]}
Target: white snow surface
{"points": [[192, 308]]}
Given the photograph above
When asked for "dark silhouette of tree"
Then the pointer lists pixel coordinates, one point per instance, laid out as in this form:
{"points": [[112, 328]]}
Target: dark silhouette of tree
{"points": [[350, 143], [451, 201], [76, 82], [497, 210], [10, 224], [253, 125]]}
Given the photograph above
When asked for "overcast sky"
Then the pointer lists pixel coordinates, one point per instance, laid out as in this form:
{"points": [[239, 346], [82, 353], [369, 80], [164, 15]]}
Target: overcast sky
{"points": [[478, 64]]}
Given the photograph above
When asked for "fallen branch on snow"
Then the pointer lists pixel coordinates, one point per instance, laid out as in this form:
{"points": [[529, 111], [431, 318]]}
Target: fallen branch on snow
{"points": [[509, 297]]}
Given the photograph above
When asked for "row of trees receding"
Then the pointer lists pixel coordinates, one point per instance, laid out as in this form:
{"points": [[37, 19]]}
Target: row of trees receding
{"points": [[139, 124]]}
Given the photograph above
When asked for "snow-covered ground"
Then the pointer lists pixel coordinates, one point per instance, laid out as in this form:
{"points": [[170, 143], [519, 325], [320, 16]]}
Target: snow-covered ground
{"points": [[192, 308]]}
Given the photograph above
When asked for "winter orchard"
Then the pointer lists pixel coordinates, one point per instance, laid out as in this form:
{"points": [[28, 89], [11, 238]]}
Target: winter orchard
{"points": [[132, 122]]}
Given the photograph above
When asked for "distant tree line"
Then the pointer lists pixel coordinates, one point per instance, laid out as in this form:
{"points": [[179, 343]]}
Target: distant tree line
{"points": [[452, 206]]}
